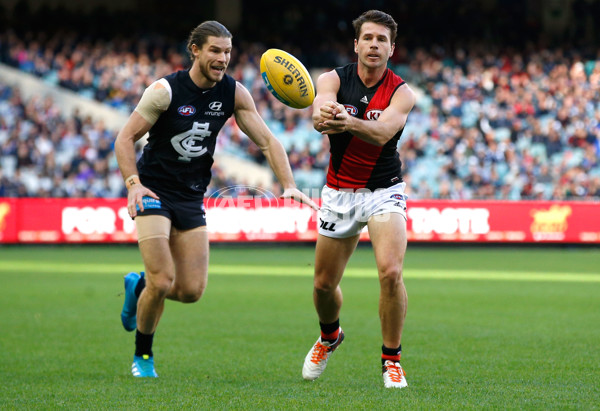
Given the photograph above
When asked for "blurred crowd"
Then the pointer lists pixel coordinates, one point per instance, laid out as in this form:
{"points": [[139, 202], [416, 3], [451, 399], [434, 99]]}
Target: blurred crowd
{"points": [[489, 123], [504, 125], [113, 72]]}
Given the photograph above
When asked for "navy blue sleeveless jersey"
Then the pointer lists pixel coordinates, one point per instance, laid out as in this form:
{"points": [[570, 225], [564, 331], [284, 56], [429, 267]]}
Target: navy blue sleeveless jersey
{"points": [[354, 163], [181, 144]]}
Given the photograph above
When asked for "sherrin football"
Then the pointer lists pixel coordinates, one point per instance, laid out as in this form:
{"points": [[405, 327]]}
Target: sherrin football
{"points": [[287, 78]]}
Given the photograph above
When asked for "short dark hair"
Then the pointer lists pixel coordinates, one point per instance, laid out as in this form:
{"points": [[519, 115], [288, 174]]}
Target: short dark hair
{"points": [[200, 34], [378, 17]]}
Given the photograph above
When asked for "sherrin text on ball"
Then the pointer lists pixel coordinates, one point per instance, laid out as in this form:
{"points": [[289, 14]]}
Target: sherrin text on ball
{"points": [[287, 78]]}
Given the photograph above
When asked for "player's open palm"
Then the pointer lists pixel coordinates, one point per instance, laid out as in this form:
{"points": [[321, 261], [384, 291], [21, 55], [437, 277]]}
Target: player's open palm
{"points": [[300, 197]]}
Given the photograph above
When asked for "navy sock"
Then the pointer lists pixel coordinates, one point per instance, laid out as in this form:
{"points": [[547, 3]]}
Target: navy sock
{"points": [[143, 344], [139, 287]]}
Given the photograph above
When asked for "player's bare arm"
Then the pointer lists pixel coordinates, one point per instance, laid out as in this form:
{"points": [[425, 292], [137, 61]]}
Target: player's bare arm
{"points": [[154, 101], [379, 132], [255, 128], [324, 105]]}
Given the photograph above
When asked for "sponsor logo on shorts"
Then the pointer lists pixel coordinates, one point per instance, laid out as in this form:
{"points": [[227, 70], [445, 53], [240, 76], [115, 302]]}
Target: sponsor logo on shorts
{"points": [[186, 110], [149, 203], [401, 205], [400, 197], [326, 225], [351, 109]]}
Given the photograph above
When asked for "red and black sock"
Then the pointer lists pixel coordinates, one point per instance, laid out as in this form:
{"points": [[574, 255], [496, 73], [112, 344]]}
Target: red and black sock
{"points": [[392, 354], [143, 344], [330, 332]]}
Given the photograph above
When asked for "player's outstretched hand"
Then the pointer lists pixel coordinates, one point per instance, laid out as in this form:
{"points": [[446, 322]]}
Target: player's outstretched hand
{"points": [[300, 197], [134, 198]]}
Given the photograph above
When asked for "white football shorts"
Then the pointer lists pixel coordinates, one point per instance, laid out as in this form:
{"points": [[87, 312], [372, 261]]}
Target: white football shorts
{"points": [[344, 213]]}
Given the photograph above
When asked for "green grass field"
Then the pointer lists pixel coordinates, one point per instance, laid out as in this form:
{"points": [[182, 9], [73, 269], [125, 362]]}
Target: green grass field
{"points": [[500, 328]]}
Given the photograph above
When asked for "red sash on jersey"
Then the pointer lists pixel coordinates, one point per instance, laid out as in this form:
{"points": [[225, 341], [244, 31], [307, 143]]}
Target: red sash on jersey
{"points": [[360, 158]]}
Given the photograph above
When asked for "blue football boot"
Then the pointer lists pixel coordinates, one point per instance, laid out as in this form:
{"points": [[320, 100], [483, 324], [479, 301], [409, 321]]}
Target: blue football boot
{"points": [[128, 314], [143, 367]]}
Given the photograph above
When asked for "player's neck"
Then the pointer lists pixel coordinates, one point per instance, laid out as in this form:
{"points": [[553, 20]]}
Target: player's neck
{"points": [[200, 79], [370, 76]]}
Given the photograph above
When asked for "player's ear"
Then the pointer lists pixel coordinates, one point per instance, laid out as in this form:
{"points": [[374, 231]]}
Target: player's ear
{"points": [[392, 50], [356, 46]]}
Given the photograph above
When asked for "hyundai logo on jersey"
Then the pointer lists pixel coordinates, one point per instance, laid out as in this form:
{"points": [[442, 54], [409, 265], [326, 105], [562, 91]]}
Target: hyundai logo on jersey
{"points": [[215, 105], [186, 110], [351, 109]]}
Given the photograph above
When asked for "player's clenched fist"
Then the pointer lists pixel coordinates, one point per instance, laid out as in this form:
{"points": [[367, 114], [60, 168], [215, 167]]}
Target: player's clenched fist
{"points": [[335, 118]]}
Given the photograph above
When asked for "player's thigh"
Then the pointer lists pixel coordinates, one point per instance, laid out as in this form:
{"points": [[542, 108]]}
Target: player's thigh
{"points": [[331, 257], [153, 238], [388, 236], [190, 249]]}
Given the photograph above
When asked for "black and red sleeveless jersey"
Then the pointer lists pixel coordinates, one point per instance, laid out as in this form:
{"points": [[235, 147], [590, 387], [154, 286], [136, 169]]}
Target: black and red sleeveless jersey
{"points": [[354, 163]]}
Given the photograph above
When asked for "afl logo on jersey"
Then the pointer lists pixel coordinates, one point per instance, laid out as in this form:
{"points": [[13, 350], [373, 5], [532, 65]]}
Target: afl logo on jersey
{"points": [[186, 110], [373, 114], [351, 109]]}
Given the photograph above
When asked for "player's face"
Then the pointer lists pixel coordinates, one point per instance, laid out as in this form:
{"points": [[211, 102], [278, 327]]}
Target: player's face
{"points": [[374, 47], [213, 58]]}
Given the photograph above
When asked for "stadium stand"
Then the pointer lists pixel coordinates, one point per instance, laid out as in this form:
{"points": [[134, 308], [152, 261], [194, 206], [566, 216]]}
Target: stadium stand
{"points": [[491, 121]]}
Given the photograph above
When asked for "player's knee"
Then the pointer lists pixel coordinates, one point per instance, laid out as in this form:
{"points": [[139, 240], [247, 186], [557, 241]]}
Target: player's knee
{"points": [[390, 276], [324, 285], [190, 294], [160, 285]]}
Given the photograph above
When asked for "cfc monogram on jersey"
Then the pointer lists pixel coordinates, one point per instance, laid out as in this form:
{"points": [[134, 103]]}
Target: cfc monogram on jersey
{"points": [[354, 163], [189, 143], [181, 144]]}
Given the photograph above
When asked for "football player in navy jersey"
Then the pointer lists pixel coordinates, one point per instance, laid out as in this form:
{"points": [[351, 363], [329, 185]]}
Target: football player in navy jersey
{"points": [[182, 113], [362, 107]]}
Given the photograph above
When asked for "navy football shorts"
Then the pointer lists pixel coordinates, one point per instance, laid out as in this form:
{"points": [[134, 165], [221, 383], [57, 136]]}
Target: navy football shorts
{"points": [[184, 214]]}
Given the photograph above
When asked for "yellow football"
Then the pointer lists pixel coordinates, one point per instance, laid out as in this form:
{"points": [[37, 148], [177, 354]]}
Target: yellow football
{"points": [[287, 78]]}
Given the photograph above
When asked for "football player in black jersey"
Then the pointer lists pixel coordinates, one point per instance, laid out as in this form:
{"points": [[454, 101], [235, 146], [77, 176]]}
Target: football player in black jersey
{"points": [[363, 108], [183, 114]]}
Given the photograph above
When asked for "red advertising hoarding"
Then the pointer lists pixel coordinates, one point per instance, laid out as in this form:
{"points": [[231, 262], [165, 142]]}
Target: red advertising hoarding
{"points": [[35, 220]]}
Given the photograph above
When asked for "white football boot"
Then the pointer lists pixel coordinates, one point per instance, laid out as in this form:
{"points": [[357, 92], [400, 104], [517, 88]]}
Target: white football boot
{"points": [[316, 359], [393, 375]]}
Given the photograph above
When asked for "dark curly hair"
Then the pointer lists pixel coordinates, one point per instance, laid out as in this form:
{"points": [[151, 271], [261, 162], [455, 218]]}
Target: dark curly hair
{"points": [[378, 17]]}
